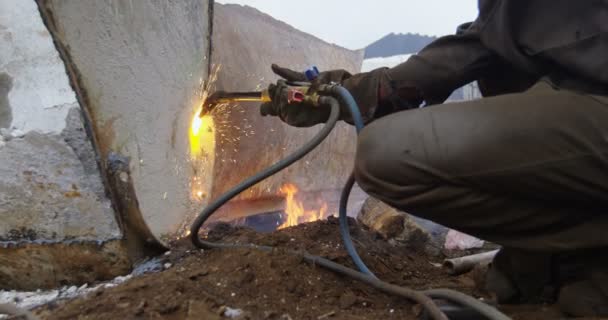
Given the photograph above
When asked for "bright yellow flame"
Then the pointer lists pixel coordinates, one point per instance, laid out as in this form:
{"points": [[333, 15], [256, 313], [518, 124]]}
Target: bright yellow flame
{"points": [[202, 136], [197, 122], [202, 153], [294, 209]]}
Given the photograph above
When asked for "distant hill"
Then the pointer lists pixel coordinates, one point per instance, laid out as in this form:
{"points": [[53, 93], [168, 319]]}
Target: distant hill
{"points": [[397, 44]]}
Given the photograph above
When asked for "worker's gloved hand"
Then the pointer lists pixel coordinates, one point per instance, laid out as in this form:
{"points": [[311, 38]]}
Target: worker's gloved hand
{"points": [[372, 91], [299, 114], [295, 114]]}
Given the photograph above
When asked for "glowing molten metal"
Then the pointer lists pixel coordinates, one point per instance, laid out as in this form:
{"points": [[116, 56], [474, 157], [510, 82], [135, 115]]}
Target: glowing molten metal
{"points": [[294, 209]]}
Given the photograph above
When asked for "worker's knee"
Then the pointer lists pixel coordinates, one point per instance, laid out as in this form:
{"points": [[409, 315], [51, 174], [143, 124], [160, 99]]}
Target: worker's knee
{"points": [[377, 158], [364, 159], [395, 155]]}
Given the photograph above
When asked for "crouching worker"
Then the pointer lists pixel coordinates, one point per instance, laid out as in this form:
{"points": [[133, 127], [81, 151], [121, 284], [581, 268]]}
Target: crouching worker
{"points": [[526, 166]]}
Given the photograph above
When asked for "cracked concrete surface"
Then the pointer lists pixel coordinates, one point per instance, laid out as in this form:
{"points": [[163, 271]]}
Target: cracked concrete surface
{"points": [[47, 195], [40, 88]]}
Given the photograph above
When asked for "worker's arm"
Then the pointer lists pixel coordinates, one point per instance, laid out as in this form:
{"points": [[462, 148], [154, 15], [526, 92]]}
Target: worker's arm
{"points": [[429, 76]]}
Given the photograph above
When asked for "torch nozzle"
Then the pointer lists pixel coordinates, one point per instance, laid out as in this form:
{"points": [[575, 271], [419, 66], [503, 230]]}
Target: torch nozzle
{"points": [[225, 97]]}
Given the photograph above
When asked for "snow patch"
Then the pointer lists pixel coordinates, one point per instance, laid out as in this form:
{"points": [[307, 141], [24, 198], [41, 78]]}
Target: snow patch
{"points": [[32, 299], [388, 62], [455, 240], [232, 313]]}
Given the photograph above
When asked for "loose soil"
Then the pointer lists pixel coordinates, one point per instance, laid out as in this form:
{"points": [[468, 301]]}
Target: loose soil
{"points": [[208, 284]]}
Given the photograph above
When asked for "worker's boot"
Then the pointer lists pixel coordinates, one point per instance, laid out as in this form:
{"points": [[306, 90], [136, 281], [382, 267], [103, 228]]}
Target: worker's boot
{"points": [[577, 281], [517, 276], [584, 292], [586, 298]]}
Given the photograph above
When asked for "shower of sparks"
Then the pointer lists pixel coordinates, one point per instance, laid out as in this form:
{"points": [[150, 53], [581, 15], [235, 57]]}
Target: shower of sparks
{"points": [[203, 136], [217, 136], [228, 134]]}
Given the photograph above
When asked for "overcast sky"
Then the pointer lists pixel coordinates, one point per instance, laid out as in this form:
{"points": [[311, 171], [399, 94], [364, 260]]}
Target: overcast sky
{"points": [[356, 23]]}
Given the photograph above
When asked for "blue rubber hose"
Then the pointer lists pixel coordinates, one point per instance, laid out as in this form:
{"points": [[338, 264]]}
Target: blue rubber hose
{"points": [[347, 100]]}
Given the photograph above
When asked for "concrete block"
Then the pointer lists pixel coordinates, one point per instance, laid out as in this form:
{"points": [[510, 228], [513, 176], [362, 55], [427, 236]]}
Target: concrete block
{"points": [[137, 67], [55, 214], [133, 71], [46, 195]]}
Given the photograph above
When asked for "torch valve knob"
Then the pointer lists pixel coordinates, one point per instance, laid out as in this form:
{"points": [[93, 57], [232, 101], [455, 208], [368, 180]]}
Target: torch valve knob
{"points": [[312, 73]]}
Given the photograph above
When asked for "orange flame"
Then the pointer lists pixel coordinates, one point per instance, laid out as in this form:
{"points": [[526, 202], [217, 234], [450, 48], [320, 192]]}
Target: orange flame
{"points": [[294, 209]]}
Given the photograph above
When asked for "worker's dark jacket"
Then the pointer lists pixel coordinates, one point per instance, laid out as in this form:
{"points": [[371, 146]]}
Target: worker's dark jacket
{"points": [[511, 45]]}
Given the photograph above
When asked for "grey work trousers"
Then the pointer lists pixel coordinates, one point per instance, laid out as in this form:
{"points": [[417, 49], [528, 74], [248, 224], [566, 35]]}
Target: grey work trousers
{"points": [[526, 170]]}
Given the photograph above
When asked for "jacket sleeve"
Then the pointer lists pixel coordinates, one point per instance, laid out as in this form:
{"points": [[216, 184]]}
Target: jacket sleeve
{"points": [[429, 76]]}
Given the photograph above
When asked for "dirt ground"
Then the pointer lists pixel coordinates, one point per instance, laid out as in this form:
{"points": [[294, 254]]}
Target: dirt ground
{"points": [[209, 284]]}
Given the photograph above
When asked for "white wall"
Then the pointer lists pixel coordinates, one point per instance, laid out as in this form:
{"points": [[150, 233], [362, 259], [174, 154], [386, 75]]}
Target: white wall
{"points": [[41, 96]]}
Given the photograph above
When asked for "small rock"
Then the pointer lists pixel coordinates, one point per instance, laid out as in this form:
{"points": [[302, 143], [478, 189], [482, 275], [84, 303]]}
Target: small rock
{"points": [[200, 310], [71, 290], [16, 133], [197, 274], [401, 228], [291, 286], [168, 253], [5, 133], [327, 315], [139, 310], [245, 278], [231, 312], [456, 240], [347, 300], [384, 220], [167, 265], [270, 315]]}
